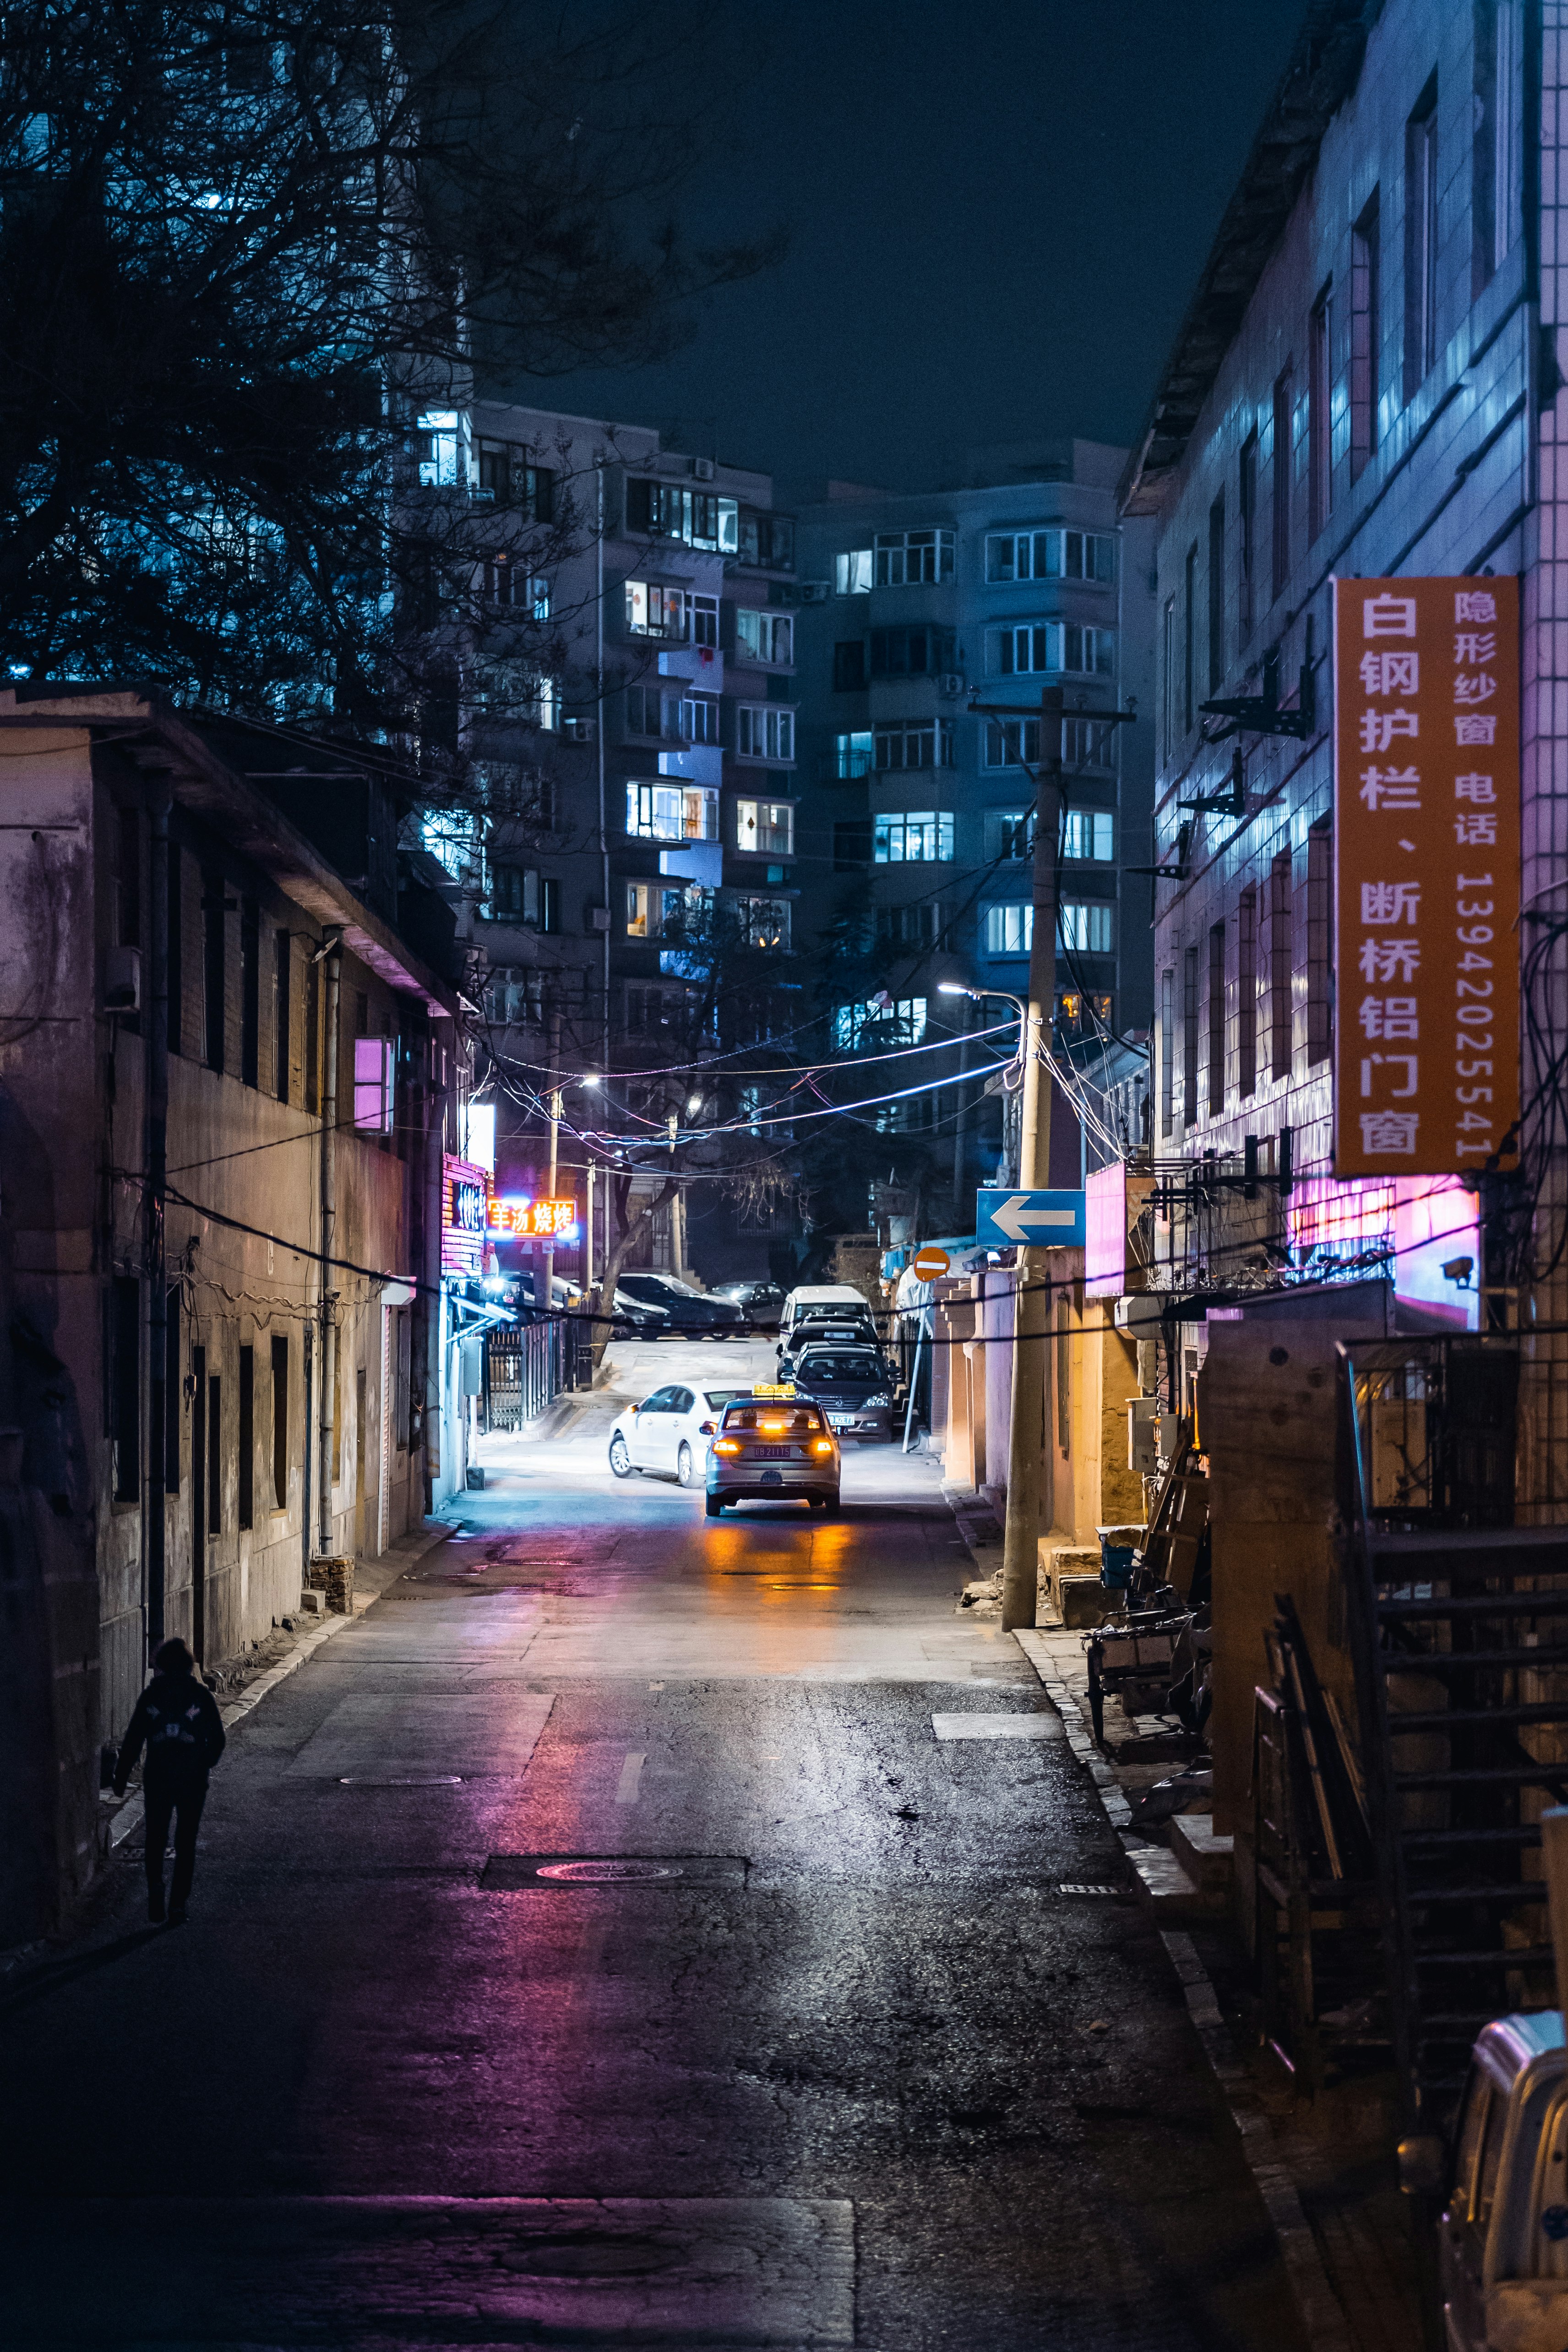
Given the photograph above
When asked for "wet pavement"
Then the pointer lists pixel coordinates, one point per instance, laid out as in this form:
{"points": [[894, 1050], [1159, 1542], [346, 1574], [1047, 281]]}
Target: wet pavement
{"points": [[638, 1930]]}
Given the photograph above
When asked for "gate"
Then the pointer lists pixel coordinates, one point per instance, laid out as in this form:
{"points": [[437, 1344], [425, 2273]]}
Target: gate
{"points": [[523, 1371]]}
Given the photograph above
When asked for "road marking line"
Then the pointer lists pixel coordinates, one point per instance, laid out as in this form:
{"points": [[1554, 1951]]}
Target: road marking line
{"points": [[996, 1727], [631, 1773]]}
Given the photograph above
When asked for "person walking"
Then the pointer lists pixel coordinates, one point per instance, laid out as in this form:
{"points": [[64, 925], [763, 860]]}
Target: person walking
{"points": [[176, 1720]]}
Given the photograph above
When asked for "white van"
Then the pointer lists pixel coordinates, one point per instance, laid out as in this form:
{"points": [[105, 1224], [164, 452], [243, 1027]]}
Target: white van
{"points": [[826, 1304]]}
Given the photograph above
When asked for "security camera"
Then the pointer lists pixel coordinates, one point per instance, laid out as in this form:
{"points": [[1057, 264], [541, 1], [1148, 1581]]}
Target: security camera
{"points": [[1458, 1269]]}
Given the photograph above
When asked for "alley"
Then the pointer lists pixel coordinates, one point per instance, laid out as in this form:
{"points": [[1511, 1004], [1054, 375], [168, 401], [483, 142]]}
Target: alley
{"points": [[865, 2041]]}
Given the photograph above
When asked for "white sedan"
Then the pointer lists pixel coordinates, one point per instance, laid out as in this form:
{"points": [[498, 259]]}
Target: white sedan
{"points": [[668, 1433]]}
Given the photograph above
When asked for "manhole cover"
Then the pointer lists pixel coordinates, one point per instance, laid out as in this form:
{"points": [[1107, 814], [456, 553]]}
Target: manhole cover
{"points": [[504, 1872], [609, 1871]]}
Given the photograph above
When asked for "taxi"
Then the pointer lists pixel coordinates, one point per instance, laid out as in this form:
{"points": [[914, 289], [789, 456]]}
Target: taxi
{"points": [[772, 1447]]}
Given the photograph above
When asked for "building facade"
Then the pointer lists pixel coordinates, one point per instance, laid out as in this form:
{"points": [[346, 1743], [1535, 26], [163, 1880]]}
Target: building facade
{"points": [[627, 874], [916, 807], [1366, 386], [224, 1076]]}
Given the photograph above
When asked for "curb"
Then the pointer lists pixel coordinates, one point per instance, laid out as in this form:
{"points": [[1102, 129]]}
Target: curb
{"points": [[1317, 2305], [130, 1814]]}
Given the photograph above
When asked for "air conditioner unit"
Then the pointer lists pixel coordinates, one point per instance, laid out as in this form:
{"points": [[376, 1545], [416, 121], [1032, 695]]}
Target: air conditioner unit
{"points": [[122, 981], [703, 469], [578, 731], [815, 592], [950, 686], [598, 919]]}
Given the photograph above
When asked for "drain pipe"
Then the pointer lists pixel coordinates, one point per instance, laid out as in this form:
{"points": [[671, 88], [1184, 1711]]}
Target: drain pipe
{"points": [[160, 1404], [329, 953]]}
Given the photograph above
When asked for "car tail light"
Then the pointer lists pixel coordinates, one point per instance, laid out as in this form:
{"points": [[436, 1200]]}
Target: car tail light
{"points": [[822, 1445], [725, 1445]]}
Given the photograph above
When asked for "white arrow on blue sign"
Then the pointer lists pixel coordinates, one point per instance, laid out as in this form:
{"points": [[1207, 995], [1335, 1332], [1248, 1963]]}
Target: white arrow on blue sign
{"points": [[1041, 1220]]}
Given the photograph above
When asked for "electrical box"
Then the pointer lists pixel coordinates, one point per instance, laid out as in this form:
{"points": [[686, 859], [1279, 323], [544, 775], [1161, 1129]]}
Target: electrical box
{"points": [[1173, 1434], [1142, 1450]]}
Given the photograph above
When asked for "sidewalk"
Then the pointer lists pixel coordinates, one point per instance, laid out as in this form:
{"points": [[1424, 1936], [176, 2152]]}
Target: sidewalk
{"points": [[294, 1640], [1342, 2224]]}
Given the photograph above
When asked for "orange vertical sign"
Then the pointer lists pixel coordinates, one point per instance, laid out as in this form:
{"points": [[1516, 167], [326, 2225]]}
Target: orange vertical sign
{"points": [[1426, 876]]}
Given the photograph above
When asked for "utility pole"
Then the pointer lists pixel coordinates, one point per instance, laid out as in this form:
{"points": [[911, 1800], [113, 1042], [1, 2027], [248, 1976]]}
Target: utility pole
{"points": [[1026, 1449], [555, 1099]]}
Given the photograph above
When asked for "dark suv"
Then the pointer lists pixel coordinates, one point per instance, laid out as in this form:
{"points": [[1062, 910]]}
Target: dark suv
{"points": [[692, 1313], [851, 1383]]}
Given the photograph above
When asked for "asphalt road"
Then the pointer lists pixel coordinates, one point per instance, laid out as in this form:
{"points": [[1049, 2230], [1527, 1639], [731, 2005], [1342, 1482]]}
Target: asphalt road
{"points": [[885, 2053]]}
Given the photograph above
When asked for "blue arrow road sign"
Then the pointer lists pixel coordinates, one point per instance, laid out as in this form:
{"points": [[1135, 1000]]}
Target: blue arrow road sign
{"points": [[1043, 1220]]}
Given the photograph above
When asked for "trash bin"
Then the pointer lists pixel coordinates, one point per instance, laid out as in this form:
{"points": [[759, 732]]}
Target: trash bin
{"points": [[1117, 1547]]}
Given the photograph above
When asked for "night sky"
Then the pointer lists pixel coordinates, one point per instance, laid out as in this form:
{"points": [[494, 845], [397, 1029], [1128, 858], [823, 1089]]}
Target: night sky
{"points": [[995, 215]]}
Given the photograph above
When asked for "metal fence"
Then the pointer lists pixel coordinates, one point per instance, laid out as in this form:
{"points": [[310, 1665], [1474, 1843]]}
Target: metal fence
{"points": [[528, 1366]]}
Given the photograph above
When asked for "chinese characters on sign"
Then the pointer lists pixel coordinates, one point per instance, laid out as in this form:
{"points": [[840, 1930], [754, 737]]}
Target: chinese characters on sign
{"points": [[516, 1213], [463, 1189], [1426, 875]]}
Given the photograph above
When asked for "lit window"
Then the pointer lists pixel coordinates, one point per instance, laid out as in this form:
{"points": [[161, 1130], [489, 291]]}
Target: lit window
{"points": [[852, 573], [766, 827], [439, 438], [654, 612], [915, 743], [1085, 925], [853, 754], [1036, 645], [456, 840], [1050, 555], [879, 1024], [374, 1061], [673, 812], [913, 558], [766, 637], [764, 730], [765, 922], [1088, 833], [912, 838], [654, 909], [1010, 930]]}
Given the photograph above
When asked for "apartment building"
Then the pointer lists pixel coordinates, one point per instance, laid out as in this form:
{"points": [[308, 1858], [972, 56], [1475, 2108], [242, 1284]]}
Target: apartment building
{"points": [[917, 809], [1365, 386], [628, 876]]}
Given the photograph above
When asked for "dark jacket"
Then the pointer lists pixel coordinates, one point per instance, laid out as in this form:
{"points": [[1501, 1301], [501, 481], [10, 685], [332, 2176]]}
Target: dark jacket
{"points": [[176, 1719]]}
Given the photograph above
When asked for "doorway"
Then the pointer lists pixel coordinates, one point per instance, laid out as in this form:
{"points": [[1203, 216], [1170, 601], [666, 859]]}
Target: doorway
{"points": [[361, 1462]]}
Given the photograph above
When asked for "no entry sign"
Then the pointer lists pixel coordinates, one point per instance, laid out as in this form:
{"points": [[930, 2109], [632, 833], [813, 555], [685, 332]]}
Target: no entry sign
{"points": [[930, 1264]]}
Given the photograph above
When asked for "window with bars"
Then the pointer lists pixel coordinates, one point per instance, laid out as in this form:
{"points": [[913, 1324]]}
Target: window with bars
{"points": [[1284, 401], [1167, 1052], [1280, 943], [1216, 595], [1320, 941], [1421, 240], [1246, 995], [1217, 1019], [1366, 243], [1190, 1037], [1247, 549], [1320, 415]]}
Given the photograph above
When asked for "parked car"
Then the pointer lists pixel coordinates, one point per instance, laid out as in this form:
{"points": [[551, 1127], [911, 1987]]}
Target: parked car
{"points": [[823, 1308], [669, 1431], [772, 1449], [850, 1383], [686, 1311], [762, 1303], [1503, 2236], [635, 1320]]}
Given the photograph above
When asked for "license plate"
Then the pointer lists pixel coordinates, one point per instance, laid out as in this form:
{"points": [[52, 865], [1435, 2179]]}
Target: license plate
{"points": [[841, 1421], [772, 1453]]}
